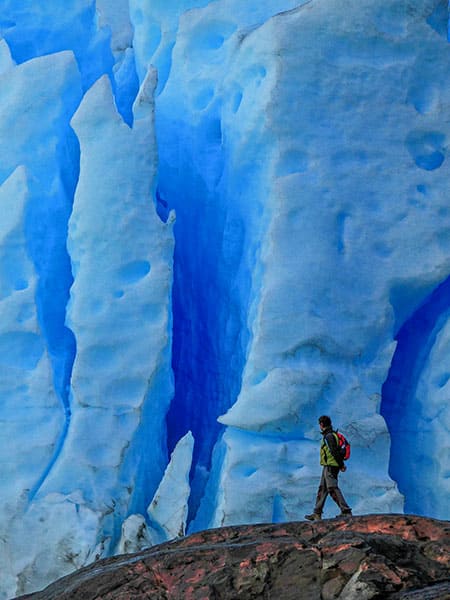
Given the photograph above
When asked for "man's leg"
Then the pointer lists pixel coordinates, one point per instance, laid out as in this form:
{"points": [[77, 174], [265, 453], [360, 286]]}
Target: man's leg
{"points": [[331, 480], [322, 494]]}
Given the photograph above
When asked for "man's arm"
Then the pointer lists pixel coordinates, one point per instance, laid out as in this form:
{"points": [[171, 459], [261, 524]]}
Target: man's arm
{"points": [[330, 440]]}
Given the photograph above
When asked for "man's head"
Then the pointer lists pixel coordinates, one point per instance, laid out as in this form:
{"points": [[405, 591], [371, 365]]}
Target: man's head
{"points": [[324, 422]]}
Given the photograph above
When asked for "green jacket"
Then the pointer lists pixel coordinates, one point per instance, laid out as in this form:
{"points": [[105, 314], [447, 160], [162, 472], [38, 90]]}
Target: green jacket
{"points": [[329, 450]]}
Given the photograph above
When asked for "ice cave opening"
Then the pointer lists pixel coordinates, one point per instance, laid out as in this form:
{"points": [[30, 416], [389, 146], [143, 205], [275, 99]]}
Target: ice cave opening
{"points": [[411, 411]]}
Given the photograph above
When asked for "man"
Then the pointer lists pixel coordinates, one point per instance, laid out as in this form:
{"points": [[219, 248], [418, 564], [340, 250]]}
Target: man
{"points": [[332, 461]]}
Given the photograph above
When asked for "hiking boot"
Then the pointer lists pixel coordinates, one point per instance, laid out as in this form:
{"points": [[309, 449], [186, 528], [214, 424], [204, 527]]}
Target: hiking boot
{"points": [[346, 513], [314, 517]]}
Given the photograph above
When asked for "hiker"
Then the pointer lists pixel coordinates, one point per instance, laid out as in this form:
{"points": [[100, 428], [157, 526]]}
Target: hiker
{"points": [[332, 460]]}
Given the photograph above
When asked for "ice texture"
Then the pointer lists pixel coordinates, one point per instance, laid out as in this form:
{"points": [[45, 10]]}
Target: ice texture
{"points": [[86, 382], [113, 452], [120, 253], [135, 535], [30, 411], [318, 155], [219, 220], [168, 510]]}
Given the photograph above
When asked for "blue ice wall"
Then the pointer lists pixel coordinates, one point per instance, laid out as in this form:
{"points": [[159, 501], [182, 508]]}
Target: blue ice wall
{"points": [[403, 406], [30, 35], [32, 31], [306, 156], [217, 232], [53, 170]]}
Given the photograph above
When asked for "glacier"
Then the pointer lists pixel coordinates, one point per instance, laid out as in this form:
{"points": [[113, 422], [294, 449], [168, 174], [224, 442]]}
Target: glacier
{"points": [[219, 221]]}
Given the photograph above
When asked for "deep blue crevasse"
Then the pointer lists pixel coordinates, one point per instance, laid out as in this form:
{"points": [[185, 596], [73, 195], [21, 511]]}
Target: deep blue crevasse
{"points": [[401, 407], [32, 31], [52, 263], [36, 30], [209, 328]]}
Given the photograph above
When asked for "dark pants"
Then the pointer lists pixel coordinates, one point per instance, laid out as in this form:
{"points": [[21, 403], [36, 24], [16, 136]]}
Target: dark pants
{"points": [[329, 485]]}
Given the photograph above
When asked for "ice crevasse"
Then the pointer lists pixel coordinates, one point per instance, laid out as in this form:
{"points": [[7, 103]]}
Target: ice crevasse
{"points": [[219, 220]]}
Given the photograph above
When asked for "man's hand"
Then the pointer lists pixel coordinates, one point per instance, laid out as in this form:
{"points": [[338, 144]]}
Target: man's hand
{"points": [[343, 468]]}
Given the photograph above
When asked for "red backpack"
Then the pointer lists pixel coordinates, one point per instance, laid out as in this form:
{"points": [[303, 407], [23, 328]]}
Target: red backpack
{"points": [[344, 445]]}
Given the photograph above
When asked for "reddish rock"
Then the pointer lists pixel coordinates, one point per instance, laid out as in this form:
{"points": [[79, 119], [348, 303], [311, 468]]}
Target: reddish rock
{"points": [[361, 558]]}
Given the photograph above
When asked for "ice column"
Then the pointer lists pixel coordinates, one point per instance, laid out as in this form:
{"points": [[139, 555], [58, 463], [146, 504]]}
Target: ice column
{"points": [[114, 452]]}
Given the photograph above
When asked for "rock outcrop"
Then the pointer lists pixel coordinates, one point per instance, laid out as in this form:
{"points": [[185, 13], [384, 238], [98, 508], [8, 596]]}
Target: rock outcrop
{"points": [[370, 557]]}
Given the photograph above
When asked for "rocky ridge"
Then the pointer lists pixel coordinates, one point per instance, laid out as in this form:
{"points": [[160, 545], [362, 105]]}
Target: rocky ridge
{"points": [[360, 558]]}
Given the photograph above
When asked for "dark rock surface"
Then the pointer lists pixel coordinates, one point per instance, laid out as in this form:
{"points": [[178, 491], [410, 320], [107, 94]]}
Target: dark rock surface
{"points": [[374, 556]]}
